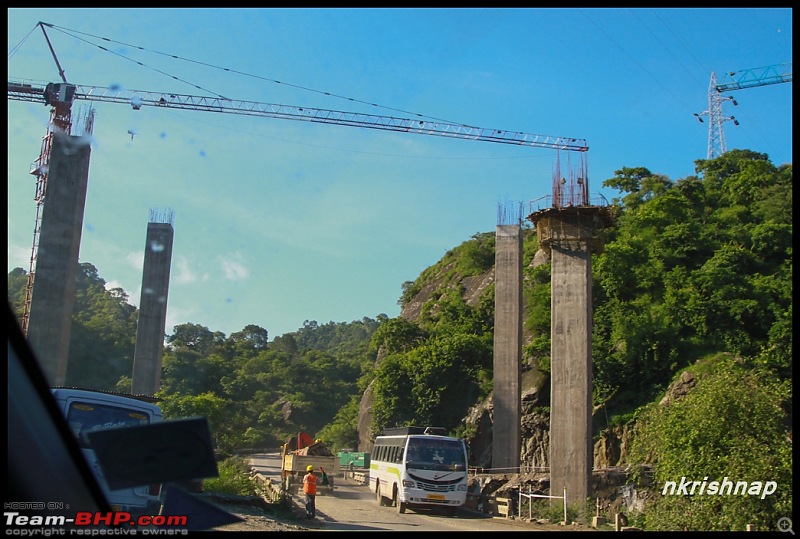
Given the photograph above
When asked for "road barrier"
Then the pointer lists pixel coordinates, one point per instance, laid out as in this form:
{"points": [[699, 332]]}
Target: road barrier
{"points": [[266, 487], [531, 496], [503, 506], [357, 476]]}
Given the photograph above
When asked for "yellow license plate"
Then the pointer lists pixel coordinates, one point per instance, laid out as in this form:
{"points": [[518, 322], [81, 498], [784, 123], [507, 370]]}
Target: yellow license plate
{"points": [[435, 497]]}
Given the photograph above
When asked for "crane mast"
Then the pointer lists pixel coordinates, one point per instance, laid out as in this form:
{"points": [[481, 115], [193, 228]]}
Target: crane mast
{"points": [[60, 122]]}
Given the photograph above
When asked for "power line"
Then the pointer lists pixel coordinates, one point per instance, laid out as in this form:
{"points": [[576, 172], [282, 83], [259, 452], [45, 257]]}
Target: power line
{"points": [[72, 33]]}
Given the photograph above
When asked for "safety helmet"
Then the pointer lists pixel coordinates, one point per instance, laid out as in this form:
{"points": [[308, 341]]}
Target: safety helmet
{"points": [[309, 468]]}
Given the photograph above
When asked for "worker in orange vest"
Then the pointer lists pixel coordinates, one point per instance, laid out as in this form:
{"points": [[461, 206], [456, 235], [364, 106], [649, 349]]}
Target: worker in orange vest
{"points": [[310, 490]]}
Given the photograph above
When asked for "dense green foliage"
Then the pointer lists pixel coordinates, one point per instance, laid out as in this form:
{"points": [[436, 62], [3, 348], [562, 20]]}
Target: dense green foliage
{"points": [[712, 434], [693, 267], [103, 329], [440, 365], [233, 479], [696, 268], [691, 272], [433, 384], [255, 394]]}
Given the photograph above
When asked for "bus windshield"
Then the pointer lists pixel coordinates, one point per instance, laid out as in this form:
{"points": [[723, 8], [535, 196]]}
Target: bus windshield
{"points": [[85, 417], [435, 454]]}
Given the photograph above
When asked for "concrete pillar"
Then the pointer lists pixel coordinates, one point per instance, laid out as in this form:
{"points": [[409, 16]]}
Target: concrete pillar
{"points": [[53, 292], [569, 235], [150, 329], [507, 405], [571, 372]]}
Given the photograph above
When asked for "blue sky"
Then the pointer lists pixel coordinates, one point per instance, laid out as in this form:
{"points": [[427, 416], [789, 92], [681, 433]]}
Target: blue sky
{"points": [[278, 222]]}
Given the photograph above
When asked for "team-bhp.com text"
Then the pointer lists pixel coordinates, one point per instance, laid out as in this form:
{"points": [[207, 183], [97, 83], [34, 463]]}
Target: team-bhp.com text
{"points": [[89, 523]]}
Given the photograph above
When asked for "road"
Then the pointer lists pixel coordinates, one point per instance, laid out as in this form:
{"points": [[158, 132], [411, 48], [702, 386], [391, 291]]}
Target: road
{"points": [[353, 507]]}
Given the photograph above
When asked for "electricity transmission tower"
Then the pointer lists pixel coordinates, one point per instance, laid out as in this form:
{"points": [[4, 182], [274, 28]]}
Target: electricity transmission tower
{"points": [[747, 78]]}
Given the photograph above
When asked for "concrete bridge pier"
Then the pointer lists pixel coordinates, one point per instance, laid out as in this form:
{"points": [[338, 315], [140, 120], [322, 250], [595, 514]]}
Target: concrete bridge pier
{"points": [[569, 234]]}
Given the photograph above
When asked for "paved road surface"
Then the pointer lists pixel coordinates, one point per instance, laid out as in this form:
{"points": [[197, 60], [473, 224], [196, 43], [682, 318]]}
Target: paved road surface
{"points": [[352, 506]]}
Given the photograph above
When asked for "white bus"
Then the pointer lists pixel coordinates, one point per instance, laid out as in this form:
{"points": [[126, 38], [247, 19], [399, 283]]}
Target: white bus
{"points": [[419, 467], [87, 411]]}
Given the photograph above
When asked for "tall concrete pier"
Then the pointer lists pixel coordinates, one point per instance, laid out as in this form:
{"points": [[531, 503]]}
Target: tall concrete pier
{"points": [[56, 266], [507, 405], [150, 329], [569, 236]]}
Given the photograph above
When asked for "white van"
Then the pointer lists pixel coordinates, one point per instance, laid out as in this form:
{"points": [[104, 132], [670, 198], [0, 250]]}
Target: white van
{"points": [[88, 411]]}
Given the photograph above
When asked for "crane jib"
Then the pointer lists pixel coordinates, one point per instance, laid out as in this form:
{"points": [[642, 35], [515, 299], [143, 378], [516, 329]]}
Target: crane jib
{"points": [[64, 93]]}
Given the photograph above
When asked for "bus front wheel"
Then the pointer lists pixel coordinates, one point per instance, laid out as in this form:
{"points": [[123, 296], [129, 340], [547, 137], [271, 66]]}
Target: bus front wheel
{"points": [[401, 507], [378, 494]]}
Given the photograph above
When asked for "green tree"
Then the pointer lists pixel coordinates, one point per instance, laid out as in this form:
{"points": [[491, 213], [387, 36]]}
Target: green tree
{"points": [[342, 432], [693, 267], [17, 283], [397, 335], [192, 337], [432, 384], [103, 334], [733, 425], [251, 340], [224, 423], [476, 256]]}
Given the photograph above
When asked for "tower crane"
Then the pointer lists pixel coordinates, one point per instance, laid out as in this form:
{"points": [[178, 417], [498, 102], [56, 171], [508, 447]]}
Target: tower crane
{"points": [[60, 97], [739, 80]]}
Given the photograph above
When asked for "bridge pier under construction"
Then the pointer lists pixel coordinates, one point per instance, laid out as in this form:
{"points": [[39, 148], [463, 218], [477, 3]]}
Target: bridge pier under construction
{"points": [[57, 238], [507, 360], [568, 235], [150, 327], [62, 180]]}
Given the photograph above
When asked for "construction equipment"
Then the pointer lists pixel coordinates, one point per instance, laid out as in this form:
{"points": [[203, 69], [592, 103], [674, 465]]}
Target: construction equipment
{"points": [[46, 94], [739, 80], [60, 96], [300, 452]]}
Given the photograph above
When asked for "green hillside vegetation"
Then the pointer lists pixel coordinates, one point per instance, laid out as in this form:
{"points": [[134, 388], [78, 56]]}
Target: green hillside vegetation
{"points": [[695, 274]]}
